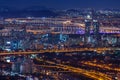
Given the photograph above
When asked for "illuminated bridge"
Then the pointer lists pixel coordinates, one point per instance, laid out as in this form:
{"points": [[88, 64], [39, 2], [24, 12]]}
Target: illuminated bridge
{"points": [[74, 30], [98, 50]]}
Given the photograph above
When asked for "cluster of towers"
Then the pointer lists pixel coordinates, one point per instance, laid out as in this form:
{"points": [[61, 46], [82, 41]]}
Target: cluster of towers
{"points": [[23, 65], [92, 27]]}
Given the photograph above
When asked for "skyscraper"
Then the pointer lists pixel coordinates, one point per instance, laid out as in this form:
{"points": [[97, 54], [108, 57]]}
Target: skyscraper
{"points": [[96, 26], [87, 29]]}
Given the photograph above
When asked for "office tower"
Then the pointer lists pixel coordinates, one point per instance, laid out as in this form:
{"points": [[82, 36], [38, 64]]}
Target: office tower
{"points": [[87, 30], [96, 34]]}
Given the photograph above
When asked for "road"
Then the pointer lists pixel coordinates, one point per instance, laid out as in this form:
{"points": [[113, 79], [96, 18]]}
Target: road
{"points": [[91, 74], [98, 50], [103, 66]]}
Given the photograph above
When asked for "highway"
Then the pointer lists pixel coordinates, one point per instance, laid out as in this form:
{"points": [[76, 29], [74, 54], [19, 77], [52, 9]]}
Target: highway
{"points": [[98, 50], [103, 66], [91, 74]]}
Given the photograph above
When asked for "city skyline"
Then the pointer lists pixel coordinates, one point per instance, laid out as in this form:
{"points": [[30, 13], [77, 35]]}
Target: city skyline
{"points": [[59, 40], [61, 4]]}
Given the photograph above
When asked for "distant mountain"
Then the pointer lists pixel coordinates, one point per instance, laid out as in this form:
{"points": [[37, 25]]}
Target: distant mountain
{"points": [[33, 11], [72, 10], [6, 8], [36, 8]]}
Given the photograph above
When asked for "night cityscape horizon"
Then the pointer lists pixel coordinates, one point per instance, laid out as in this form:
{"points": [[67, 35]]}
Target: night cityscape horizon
{"points": [[59, 40]]}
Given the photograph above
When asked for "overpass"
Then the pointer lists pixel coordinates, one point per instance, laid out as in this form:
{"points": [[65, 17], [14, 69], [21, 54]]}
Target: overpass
{"points": [[98, 50]]}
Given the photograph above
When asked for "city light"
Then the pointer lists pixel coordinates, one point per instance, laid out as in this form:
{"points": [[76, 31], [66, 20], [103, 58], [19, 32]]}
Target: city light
{"points": [[59, 40]]}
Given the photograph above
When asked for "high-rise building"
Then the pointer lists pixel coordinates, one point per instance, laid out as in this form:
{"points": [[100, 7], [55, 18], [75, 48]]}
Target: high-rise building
{"points": [[96, 34], [87, 30], [87, 27], [96, 27]]}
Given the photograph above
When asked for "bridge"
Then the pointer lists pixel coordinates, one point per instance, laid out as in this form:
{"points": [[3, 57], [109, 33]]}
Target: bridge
{"points": [[73, 30], [98, 50]]}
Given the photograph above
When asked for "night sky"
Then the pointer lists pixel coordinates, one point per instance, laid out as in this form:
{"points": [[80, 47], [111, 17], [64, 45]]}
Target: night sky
{"points": [[62, 4]]}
